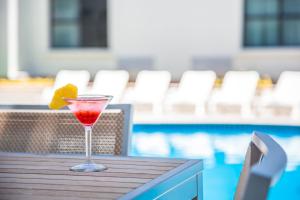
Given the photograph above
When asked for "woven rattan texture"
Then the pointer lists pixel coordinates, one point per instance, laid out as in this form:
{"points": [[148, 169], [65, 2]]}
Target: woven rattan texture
{"points": [[58, 132]]}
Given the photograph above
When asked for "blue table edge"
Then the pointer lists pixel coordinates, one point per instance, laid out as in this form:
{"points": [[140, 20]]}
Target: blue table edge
{"points": [[186, 170]]}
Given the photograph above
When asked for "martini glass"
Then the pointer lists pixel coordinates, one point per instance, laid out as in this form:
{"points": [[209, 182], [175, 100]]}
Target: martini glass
{"points": [[87, 109]]}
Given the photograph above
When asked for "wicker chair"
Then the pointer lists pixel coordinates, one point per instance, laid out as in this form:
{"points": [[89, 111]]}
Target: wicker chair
{"points": [[43, 131]]}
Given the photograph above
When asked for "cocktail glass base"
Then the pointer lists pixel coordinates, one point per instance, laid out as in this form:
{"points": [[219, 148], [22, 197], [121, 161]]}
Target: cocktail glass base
{"points": [[88, 167]]}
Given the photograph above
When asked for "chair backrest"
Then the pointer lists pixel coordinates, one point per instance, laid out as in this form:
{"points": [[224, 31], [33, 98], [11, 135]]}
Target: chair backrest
{"points": [[47, 131], [287, 83], [80, 78], [151, 86], [265, 162], [111, 82], [196, 84], [240, 84]]}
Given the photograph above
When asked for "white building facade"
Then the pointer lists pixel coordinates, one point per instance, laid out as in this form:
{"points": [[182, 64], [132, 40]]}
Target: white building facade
{"points": [[176, 35]]}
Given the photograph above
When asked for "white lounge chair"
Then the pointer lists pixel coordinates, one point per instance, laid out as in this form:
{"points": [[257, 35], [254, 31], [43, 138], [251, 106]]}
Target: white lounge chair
{"points": [[285, 97], [237, 92], [192, 93], [149, 90], [111, 82], [80, 78]]}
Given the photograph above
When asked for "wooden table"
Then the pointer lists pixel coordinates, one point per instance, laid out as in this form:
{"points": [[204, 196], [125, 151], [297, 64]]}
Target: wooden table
{"points": [[45, 177]]}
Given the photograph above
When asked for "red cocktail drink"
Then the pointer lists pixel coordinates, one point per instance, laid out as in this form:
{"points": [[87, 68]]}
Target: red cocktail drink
{"points": [[88, 118], [87, 110]]}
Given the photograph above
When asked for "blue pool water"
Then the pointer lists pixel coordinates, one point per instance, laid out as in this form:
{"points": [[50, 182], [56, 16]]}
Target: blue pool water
{"points": [[223, 148]]}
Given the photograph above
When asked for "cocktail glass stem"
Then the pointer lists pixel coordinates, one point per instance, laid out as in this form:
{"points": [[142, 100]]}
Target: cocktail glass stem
{"points": [[89, 165], [88, 143]]}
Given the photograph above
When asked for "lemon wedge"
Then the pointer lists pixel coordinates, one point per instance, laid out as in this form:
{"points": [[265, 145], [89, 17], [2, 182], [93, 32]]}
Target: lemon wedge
{"points": [[67, 91]]}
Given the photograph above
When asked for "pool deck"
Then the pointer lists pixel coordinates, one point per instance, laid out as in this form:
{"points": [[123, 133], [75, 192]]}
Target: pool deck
{"points": [[150, 118]]}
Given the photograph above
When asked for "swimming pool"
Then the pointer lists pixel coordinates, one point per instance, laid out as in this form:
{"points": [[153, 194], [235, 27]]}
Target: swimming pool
{"points": [[223, 147]]}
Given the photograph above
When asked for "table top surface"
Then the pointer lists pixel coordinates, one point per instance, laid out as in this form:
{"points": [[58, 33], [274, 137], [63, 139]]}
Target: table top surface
{"points": [[27, 176]]}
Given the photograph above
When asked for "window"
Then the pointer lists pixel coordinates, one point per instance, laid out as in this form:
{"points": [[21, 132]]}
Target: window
{"points": [[272, 23], [78, 23]]}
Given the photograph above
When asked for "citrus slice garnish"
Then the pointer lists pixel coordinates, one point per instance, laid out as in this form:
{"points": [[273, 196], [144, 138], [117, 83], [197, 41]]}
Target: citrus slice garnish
{"points": [[67, 91]]}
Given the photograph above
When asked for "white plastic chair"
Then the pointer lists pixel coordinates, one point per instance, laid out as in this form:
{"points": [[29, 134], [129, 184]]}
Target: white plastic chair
{"points": [[111, 82], [150, 89], [285, 94], [193, 91], [80, 78], [238, 90]]}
